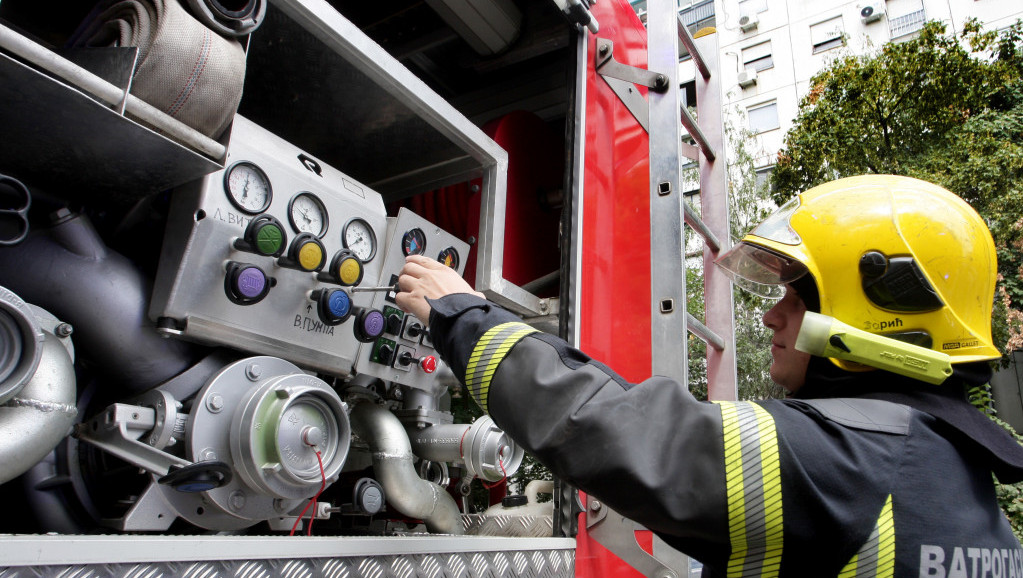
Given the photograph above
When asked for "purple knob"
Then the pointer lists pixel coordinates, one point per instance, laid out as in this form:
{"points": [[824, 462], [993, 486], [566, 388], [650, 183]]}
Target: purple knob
{"points": [[374, 323], [250, 283], [369, 324], [246, 284]]}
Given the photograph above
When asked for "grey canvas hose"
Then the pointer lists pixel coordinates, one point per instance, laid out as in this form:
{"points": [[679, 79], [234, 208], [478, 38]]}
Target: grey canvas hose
{"points": [[184, 68]]}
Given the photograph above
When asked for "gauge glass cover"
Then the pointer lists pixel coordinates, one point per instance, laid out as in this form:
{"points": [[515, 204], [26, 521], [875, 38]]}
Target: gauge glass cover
{"points": [[248, 187], [307, 214], [358, 238], [413, 242], [449, 257]]}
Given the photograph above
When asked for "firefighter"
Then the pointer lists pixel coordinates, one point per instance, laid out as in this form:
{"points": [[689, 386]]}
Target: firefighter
{"points": [[858, 472]]}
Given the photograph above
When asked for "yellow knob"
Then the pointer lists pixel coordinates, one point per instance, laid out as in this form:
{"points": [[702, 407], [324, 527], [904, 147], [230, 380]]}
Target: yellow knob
{"points": [[310, 256], [350, 271]]}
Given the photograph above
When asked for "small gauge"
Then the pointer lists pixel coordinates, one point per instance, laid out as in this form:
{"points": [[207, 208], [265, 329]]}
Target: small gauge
{"points": [[413, 242], [248, 187], [449, 257], [307, 214], [358, 238]]}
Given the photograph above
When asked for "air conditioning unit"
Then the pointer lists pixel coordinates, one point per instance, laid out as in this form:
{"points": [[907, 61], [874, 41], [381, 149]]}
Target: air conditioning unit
{"points": [[747, 77], [749, 22], [872, 12]]}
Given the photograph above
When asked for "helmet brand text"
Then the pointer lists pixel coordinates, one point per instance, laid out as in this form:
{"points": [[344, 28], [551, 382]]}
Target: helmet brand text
{"points": [[882, 325]]}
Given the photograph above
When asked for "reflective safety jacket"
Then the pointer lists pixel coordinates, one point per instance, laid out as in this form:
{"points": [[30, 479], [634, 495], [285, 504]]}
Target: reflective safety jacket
{"points": [[807, 488]]}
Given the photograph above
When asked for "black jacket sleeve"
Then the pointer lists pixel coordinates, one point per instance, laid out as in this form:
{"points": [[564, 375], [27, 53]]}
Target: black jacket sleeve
{"points": [[651, 451]]}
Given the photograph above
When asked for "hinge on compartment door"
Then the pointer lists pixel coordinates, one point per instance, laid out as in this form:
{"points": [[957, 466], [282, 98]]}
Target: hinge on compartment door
{"points": [[621, 78]]}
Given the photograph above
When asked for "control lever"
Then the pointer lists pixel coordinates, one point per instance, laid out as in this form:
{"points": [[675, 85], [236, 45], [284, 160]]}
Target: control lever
{"points": [[427, 363], [389, 288]]}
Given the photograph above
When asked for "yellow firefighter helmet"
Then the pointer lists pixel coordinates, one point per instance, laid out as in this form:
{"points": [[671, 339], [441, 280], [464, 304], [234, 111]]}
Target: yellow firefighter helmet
{"points": [[892, 255]]}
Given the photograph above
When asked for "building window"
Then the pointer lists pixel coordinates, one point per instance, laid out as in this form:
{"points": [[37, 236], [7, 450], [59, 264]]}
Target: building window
{"points": [[904, 17], [758, 57], [763, 175], [763, 117], [747, 7], [827, 35]]}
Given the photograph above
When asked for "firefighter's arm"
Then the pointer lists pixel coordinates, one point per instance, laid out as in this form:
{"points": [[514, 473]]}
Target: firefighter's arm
{"points": [[649, 450]]}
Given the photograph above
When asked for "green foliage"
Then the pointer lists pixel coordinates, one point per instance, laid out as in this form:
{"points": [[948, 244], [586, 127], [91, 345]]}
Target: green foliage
{"points": [[1010, 496], [943, 109], [876, 112]]}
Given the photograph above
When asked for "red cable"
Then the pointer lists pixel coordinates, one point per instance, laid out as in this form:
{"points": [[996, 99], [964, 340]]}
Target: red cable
{"points": [[323, 484], [504, 476], [312, 502]]}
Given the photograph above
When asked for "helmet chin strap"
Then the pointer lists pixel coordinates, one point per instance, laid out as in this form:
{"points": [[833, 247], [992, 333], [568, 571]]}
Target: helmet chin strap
{"points": [[825, 336]]}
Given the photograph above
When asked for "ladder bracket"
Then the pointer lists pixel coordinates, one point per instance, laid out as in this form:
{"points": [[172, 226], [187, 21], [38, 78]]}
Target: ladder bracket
{"points": [[607, 66]]}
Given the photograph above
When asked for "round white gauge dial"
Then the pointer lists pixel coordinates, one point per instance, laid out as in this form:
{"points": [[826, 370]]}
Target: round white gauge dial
{"points": [[248, 187], [359, 238], [307, 214]]}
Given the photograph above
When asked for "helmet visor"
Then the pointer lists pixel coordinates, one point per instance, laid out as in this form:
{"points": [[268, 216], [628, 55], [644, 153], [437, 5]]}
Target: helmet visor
{"points": [[760, 270], [777, 226]]}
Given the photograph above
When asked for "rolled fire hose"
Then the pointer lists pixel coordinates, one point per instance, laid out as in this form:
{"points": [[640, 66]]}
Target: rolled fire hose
{"points": [[184, 69]]}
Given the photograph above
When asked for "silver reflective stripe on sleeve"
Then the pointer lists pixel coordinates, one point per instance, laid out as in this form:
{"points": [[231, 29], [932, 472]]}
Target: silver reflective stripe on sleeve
{"points": [[753, 480]]}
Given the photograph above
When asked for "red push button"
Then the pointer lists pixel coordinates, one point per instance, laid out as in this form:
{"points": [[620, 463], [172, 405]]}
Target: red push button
{"points": [[428, 364]]}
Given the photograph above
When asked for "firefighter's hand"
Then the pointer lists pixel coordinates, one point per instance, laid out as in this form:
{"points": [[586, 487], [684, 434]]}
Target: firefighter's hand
{"points": [[422, 278]]}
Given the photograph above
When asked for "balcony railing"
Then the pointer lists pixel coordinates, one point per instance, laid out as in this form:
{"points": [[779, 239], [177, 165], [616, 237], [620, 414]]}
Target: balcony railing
{"points": [[907, 24]]}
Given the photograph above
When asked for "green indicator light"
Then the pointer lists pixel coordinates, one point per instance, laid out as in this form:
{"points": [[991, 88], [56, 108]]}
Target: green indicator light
{"points": [[268, 239]]}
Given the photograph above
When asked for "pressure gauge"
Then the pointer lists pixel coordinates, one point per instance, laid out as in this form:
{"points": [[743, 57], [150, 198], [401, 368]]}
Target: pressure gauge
{"points": [[413, 242], [358, 238], [449, 257], [307, 214], [248, 187]]}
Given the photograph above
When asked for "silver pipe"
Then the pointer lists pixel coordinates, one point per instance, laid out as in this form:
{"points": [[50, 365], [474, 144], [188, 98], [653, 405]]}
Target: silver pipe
{"points": [[69, 271], [108, 93], [35, 420], [485, 450], [392, 463]]}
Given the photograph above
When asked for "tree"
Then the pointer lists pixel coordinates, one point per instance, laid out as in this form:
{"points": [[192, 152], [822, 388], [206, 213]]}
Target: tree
{"points": [[943, 109]]}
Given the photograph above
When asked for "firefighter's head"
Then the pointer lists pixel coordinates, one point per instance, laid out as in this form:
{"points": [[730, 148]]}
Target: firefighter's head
{"points": [[890, 255]]}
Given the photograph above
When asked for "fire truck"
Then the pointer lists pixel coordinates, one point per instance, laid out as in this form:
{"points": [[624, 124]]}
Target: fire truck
{"points": [[203, 208]]}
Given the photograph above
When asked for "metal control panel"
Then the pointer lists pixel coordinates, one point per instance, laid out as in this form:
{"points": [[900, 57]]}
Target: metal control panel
{"points": [[261, 256], [405, 353]]}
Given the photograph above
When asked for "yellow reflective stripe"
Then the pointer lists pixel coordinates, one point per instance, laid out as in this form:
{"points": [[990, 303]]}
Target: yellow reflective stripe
{"points": [[886, 541], [876, 557], [850, 569], [488, 353], [771, 472], [753, 490], [733, 484]]}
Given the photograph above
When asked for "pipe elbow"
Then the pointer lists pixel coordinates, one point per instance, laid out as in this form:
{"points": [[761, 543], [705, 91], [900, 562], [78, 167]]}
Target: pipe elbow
{"points": [[392, 462]]}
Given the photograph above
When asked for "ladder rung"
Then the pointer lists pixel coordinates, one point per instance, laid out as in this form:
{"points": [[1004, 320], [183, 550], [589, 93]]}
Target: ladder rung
{"points": [[694, 221], [703, 332], [694, 130], [690, 44], [690, 152]]}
